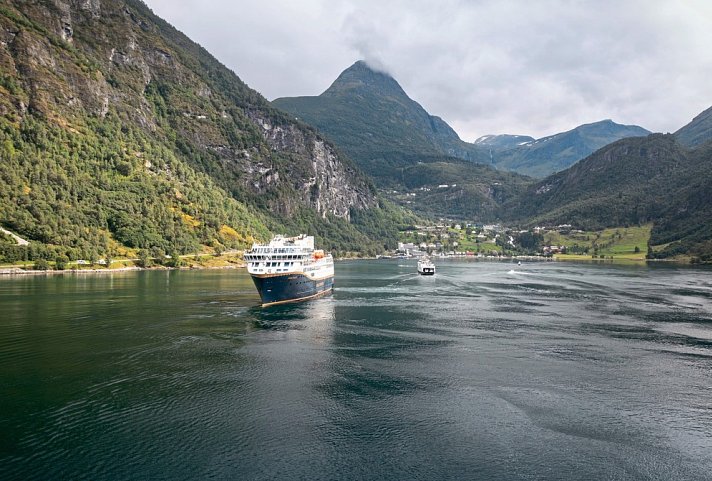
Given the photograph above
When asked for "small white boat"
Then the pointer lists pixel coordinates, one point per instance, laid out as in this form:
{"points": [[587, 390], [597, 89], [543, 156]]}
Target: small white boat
{"points": [[426, 267]]}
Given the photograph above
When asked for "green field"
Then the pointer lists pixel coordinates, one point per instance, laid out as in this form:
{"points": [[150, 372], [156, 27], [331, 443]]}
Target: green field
{"points": [[472, 246], [615, 243]]}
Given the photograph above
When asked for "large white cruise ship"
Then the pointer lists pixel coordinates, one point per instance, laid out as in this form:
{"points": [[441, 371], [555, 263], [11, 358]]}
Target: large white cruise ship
{"points": [[289, 269]]}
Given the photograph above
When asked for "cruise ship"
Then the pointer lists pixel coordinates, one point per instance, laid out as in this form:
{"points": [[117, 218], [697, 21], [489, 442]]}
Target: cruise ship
{"points": [[289, 269]]}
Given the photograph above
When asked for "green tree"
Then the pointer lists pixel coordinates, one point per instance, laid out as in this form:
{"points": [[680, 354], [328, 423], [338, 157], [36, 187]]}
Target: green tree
{"points": [[144, 260], [60, 262], [219, 248], [41, 265], [174, 260], [8, 149]]}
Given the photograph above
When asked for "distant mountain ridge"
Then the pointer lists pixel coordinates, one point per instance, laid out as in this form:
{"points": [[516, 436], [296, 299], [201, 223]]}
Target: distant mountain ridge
{"points": [[544, 156], [368, 114]]}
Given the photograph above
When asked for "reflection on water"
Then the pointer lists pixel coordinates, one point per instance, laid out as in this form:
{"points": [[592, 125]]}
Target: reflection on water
{"points": [[486, 370]]}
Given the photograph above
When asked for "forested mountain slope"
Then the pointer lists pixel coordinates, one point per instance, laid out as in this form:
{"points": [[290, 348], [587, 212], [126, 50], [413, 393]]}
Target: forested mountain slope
{"points": [[633, 181], [116, 129], [444, 187]]}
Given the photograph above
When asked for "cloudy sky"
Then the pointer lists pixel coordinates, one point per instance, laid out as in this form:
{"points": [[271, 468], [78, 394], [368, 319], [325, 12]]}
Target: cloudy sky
{"points": [[486, 67]]}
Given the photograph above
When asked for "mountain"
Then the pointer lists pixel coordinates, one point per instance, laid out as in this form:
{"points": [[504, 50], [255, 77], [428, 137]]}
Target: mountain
{"points": [[698, 131], [503, 141], [541, 157], [117, 131], [368, 115], [633, 181], [409, 153]]}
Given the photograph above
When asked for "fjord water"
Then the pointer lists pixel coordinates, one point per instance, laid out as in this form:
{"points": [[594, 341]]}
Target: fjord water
{"points": [[488, 370]]}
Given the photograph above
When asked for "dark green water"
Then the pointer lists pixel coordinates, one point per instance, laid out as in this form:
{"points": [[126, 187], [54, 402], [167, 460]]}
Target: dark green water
{"points": [[485, 371]]}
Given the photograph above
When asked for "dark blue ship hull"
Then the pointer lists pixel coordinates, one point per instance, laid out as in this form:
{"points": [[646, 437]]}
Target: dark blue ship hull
{"points": [[277, 289]]}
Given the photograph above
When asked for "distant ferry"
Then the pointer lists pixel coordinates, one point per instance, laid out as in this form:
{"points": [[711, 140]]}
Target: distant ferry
{"points": [[426, 267], [289, 269]]}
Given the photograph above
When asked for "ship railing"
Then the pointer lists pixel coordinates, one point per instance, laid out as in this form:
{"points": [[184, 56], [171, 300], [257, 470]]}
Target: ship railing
{"points": [[258, 257]]}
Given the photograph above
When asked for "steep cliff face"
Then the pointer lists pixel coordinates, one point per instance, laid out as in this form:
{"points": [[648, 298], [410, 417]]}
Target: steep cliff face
{"points": [[112, 69], [328, 185]]}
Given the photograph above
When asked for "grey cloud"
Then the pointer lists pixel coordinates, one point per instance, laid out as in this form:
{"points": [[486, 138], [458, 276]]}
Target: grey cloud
{"points": [[522, 67]]}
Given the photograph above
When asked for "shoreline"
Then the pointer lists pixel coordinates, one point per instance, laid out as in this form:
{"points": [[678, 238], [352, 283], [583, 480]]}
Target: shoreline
{"points": [[12, 271]]}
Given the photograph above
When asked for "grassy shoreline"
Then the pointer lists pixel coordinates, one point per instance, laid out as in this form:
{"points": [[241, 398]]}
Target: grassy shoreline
{"points": [[206, 261]]}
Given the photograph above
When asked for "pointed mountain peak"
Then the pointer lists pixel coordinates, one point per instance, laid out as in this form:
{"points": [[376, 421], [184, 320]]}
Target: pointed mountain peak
{"points": [[364, 76], [375, 67]]}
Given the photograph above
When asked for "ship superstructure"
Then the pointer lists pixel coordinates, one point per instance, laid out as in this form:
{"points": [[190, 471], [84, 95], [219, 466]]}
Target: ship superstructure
{"points": [[426, 267]]}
